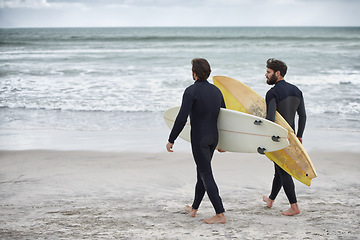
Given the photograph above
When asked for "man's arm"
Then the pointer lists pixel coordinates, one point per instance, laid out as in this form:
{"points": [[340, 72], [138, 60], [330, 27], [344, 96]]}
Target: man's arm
{"points": [[223, 105], [271, 110], [302, 119], [180, 120]]}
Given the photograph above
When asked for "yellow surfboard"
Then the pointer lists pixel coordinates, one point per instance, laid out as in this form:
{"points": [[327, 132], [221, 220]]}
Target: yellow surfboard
{"points": [[294, 158]]}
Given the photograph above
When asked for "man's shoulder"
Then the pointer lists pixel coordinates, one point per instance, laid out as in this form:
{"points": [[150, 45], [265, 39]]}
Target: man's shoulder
{"points": [[291, 85], [271, 91], [270, 94], [190, 87], [189, 91]]}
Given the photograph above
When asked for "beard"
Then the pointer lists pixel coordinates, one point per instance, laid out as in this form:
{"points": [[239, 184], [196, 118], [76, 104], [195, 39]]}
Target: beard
{"points": [[272, 80]]}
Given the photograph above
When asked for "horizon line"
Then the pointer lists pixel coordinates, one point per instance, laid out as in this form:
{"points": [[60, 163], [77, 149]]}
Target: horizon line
{"points": [[224, 26]]}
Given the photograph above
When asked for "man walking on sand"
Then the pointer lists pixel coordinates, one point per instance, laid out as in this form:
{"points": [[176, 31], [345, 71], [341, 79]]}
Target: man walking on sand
{"points": [[202, 101], [287, 99]]}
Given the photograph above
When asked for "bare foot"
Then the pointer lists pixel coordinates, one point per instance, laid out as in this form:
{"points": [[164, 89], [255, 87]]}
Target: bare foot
{"points": [[293, 210], [268, 201], [218, 218], [191, 211]]}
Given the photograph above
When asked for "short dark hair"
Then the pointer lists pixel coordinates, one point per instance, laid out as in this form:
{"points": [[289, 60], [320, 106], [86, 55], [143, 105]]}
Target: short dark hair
{"points": [[201, 68], [276, 65]]}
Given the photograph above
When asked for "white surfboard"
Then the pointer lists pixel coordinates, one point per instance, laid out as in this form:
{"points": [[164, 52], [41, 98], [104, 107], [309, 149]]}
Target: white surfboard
{"points": [[239, 132]]}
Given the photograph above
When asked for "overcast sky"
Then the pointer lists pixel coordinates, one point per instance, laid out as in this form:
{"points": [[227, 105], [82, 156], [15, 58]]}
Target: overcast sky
{"points": [[118, 13]]}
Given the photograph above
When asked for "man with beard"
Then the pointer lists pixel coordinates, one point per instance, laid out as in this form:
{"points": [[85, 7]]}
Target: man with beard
{"points": [[287, 99]]}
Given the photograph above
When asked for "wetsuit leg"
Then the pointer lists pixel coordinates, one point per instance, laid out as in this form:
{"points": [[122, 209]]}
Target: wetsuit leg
{"points": [[283, 179], [199, 191], [288, 185], [277, 184], [202, 156]]}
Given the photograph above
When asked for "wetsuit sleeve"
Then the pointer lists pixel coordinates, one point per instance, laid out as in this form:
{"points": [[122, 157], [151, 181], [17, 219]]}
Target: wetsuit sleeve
{"points": [[182, 116], [271, 110], [223, 103], [302, 118]]}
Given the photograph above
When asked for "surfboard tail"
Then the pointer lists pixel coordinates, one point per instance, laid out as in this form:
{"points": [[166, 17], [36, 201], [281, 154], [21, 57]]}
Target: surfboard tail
{"points": [[283, 160]]}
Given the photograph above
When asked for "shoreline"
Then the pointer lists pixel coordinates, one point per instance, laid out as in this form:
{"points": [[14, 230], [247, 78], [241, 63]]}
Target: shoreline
{"points": [[132, 195], [152, 140]]}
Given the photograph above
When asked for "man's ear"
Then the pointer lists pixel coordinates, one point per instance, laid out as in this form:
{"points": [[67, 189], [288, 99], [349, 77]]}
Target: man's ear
{"points": [[277, 74]]}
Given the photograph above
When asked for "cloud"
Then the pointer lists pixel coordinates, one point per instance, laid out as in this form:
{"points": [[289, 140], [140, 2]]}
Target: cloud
{"points": [[161, 3], [118, 13], [127, 3], [23, 3]]}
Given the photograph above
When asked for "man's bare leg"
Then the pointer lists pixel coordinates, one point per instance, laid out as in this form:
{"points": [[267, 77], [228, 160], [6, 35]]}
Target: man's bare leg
{"points": [[191, 211], [268, 201], [218, 218], [293, 210]]}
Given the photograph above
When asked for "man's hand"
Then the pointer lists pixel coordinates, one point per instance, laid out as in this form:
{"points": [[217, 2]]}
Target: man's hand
{"points": [[220, 150], [169, 146], [300, 139]]}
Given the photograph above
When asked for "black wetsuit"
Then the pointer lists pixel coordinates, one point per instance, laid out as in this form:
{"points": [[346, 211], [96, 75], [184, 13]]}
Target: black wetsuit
{"points": [[288, 100], [202, 101]]}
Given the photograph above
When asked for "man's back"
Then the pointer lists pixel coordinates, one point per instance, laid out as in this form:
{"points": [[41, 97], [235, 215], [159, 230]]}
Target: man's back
{"points": [[207, 101], [202, 101]]}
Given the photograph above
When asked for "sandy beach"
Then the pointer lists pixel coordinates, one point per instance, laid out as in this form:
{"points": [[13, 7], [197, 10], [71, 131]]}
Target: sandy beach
{"points": [[127, 195], [82, 134]]}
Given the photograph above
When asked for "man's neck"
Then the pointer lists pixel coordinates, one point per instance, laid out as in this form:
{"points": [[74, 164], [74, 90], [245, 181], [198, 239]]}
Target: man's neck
{"points": [[281, 79]]}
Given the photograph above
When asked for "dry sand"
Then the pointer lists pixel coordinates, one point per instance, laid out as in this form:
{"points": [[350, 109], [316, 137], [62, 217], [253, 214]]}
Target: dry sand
{"points": [[109, 195]]}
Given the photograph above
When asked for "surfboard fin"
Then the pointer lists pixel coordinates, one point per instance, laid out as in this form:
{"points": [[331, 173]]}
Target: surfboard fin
{"points": [[258, 122], [275, 138], [261, 150]]}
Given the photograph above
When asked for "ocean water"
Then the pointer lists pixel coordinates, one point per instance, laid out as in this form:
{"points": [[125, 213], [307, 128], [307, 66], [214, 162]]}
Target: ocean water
{"points": [[123, 79]]}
